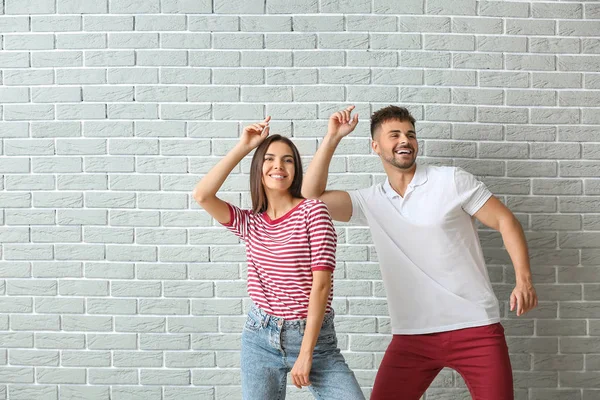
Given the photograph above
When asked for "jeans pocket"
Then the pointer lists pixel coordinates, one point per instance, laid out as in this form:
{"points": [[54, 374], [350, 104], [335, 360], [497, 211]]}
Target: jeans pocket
{"points": [[252, 325], [327, 340]]}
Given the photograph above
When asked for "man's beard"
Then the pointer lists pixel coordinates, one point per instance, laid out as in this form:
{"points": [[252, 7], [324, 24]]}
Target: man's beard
{"points": [[400, 164]]}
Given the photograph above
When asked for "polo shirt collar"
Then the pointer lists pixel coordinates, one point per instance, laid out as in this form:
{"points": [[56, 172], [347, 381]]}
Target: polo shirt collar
{"points": [[418, 179]]}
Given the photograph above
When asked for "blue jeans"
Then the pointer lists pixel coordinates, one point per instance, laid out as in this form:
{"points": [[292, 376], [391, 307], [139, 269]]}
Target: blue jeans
{"points": [[270, 347]]}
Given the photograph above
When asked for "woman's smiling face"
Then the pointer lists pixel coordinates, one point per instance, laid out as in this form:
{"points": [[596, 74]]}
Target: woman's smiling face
{"points": [[278, 168]]}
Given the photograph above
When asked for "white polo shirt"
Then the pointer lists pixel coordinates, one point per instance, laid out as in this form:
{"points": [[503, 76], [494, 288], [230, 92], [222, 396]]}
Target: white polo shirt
{"points": [[428, 248]]}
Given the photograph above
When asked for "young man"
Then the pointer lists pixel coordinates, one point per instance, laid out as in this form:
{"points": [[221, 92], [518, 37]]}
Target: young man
{"points": [[443, 310]]}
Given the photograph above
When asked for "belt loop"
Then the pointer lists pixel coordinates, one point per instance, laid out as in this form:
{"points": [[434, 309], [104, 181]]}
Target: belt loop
{"points": [[265, 320], [302, 326]]}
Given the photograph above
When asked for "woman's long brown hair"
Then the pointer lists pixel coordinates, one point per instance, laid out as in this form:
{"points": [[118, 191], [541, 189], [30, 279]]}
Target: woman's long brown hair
{"points": [[257, 190]]}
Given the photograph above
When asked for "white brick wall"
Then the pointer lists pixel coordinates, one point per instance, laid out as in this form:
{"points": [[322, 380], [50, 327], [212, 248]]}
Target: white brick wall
{"points": [[113, 284]]}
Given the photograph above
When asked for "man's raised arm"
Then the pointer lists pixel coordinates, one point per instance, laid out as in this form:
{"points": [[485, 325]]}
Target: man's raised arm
{"points": [[314, 184]]}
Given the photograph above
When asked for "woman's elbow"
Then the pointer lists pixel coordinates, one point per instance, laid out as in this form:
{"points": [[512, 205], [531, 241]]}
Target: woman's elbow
{"points": [[322, 286], [199, 196]]}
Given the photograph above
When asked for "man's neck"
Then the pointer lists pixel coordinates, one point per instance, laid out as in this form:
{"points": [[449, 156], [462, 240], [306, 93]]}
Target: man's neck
{"points": [[400, 179]]}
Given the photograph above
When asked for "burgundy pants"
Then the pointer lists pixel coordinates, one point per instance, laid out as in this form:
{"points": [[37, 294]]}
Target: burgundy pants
{"points": [[479, 355]]}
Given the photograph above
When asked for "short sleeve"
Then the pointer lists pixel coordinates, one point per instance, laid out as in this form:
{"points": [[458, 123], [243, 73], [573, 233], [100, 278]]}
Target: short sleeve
{"points": [[322, 238], [358, 216], [472, 192], [238, 221]]}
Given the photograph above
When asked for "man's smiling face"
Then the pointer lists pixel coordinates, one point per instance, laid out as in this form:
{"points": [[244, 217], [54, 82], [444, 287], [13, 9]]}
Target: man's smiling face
{"points": [[396, 143]]}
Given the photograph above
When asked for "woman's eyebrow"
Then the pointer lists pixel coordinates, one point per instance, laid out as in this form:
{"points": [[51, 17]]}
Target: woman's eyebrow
{"points": [[273, 155]]}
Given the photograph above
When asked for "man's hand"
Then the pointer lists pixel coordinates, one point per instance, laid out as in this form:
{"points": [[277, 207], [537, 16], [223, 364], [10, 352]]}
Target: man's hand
{"points": [[301, 371], [523, 298], [253, 135], [342, 123]]}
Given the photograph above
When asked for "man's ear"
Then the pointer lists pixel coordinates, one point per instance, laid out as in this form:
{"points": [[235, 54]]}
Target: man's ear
{"points": [[375, 146]]}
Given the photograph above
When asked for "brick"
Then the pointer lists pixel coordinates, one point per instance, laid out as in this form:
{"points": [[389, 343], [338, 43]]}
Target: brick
{"points": [[449, 42], [503, 9], [425, 60], [28, 112], [85, 359], [578, 63], [29, 7], [478, 96], [132, 75], [186, 112], [207, 58], [82, 323], [55, 23], [479, 25], [113, 376], [192, 324], [530, 97], [137, 359], [392, 7], [557, 187], [41, 392], [57, 269], [503, 79], [103, 23], [35, 322], [135, 392], [59, 341], [108, 58], [502, 115], [34, 357], [164, 306], [140, 324], [161, 58], [186, 6], [14, 24], [210, 23], [80, 76], [370, 23], [225, 7], [134, 218]]}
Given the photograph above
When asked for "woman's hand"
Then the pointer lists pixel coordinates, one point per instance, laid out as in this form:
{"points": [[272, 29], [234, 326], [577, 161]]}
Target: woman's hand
{"points": [[254, 134], [301, 371]]}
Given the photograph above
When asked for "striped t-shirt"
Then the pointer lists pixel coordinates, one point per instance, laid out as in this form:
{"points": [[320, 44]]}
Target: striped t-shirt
{"points": [[282, 254]]}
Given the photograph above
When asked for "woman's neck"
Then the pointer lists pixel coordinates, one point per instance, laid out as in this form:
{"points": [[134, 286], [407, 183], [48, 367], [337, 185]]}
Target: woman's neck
{"points": [[279, 204]]}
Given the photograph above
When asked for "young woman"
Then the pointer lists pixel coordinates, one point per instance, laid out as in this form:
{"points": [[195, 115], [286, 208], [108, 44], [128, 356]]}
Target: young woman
{"points": [[290, 246]]}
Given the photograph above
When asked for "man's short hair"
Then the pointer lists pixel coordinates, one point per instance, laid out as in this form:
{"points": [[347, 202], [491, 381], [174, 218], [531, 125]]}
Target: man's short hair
{"points": [[390, 113]]}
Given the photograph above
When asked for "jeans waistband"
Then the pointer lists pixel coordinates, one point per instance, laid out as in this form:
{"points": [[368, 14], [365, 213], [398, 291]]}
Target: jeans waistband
{"points": [[266, 319]]}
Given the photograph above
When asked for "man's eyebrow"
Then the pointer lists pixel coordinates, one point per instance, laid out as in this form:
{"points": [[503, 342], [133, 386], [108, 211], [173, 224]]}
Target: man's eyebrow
{"points": [[399, 131]]}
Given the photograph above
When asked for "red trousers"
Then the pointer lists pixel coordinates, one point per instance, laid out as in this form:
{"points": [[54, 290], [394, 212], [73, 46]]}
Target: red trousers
{"points": [[479, 355]]}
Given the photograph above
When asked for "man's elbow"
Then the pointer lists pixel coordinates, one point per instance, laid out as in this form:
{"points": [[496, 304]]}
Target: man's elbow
{"points": [[509, 223], [310, 193]]}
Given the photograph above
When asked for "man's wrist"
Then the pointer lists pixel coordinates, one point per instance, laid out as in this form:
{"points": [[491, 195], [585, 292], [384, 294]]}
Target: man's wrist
{"points": [[524, 279], [331, 139]]}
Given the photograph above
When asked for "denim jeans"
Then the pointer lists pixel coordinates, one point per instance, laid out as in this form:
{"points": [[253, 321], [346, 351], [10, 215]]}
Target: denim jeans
{"points": [[270, 347]]}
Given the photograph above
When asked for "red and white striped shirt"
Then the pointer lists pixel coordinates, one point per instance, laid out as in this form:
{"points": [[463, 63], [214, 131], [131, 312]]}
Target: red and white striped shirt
{"points": [[282, 254]]}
